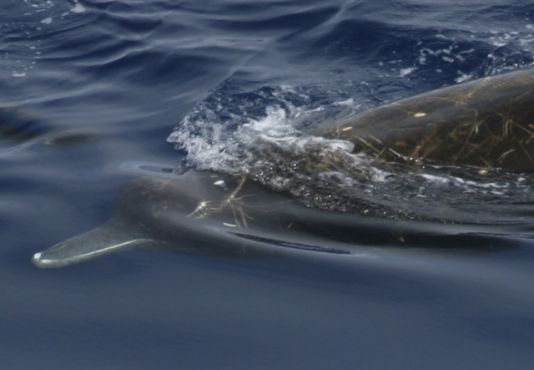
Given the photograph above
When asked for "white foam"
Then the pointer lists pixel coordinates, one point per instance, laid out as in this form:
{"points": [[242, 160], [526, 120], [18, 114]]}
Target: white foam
{"points": [[347, 103], [379, 175], [468, 186], [47, 20], [213, 146], [77, 8], [274, 124], [435, 179], [463, 77], [406, 71]]}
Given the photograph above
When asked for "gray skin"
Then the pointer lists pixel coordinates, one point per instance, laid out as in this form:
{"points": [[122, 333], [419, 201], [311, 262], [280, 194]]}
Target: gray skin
{"points": [[201, 212], [487, 123]]}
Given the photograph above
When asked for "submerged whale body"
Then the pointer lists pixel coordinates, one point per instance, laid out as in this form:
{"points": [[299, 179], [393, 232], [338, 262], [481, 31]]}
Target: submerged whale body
{"points": [[486, 123], [196, 207], [202, 212], [18, 127]]}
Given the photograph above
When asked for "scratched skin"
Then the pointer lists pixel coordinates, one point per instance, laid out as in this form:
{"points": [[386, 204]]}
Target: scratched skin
{"points": [[487, 123]]}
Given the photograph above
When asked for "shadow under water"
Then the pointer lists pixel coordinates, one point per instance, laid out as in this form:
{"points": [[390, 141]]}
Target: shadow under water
{"points": [[19, 129]]}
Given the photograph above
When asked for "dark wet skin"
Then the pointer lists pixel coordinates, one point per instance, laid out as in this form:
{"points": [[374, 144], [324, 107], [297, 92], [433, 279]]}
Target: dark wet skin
{"points": [[193, 213], [487, 123]]}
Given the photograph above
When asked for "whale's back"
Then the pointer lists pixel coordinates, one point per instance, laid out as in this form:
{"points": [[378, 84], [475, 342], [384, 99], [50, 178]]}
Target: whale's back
{"points": [[487, 123]]}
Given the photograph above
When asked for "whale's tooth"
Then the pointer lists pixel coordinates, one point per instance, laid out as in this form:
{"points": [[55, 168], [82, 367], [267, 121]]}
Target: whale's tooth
{"points": [[105, 239]]}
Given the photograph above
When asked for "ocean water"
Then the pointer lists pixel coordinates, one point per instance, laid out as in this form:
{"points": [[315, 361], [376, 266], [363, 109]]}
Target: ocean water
{"points": [[95, 93]]}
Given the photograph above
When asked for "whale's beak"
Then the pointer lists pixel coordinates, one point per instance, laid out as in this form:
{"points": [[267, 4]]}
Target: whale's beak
{"points": [[105, 239]]}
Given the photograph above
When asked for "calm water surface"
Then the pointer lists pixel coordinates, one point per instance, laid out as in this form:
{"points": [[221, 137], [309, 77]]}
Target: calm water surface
{"points": [[98, 86]]}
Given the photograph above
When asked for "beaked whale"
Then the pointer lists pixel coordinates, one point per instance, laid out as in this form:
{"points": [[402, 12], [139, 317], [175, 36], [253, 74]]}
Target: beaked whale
{"points": [[485, 123], [488, 123], [203, 212]]}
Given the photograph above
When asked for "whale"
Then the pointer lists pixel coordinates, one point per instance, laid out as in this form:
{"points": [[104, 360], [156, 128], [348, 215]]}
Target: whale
{"points": [[486, 124], [201, 212]]}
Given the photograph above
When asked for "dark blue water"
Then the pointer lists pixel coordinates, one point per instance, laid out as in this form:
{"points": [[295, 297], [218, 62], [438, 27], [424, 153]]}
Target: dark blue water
{"points": [[98, 86]]}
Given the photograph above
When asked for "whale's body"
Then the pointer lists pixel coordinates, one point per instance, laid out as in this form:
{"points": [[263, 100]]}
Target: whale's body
{"points": [[202, 212], [487, 123], [484, 123]]}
